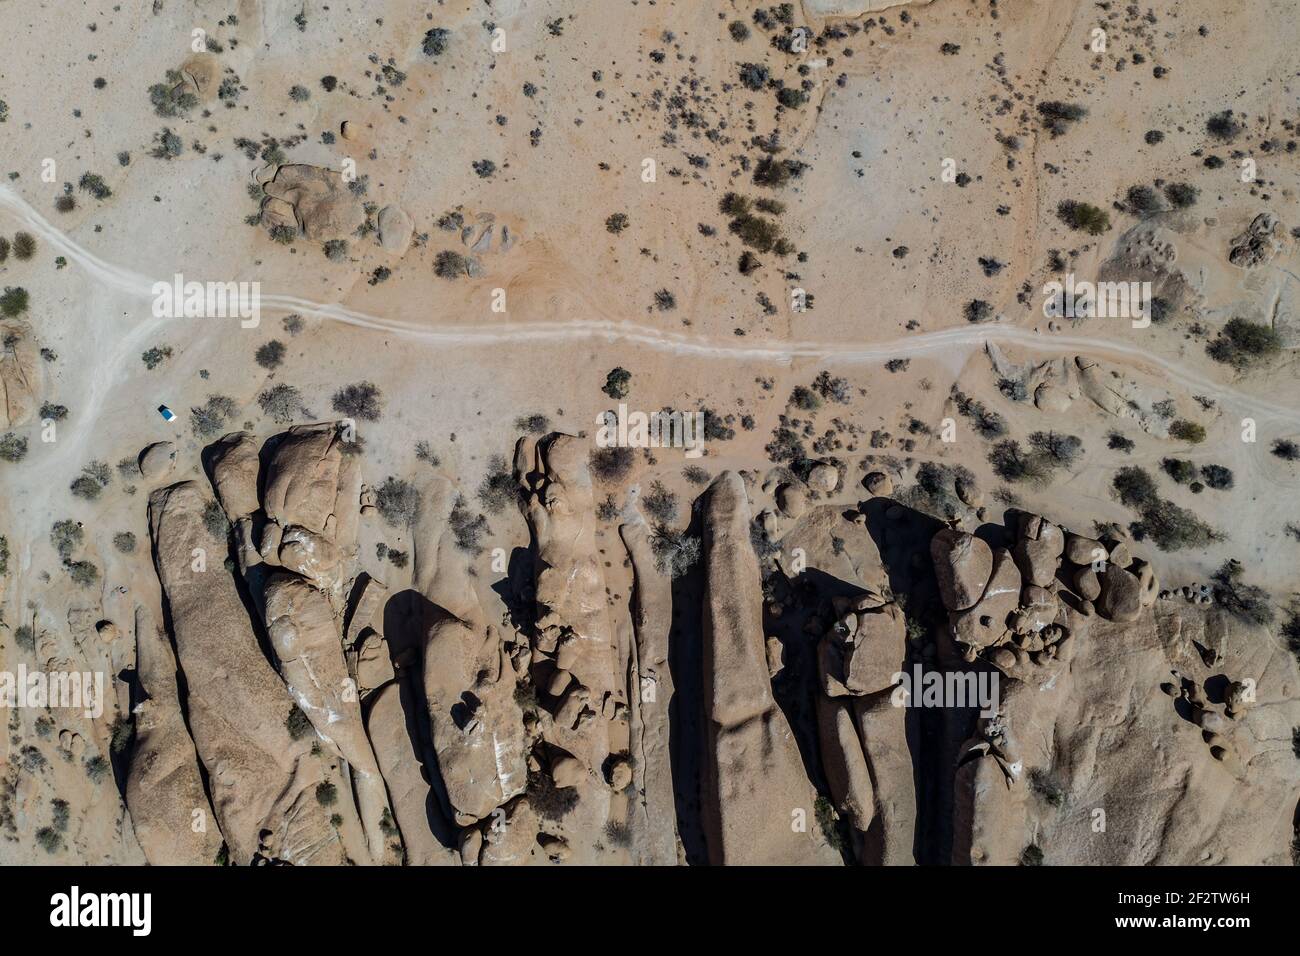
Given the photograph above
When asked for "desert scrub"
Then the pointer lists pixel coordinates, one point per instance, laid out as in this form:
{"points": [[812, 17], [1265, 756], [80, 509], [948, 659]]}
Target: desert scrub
{"points": [[93, 184], [660, 503], [155, 356], [466, 527], [167, 145], [398, 502], [665, 301], [282, 402], [336, 250], [211, 417], [1182, 195], [66, 536], [170, 98], [1058, 116], [675, 552], [1084, 217], [283, 233], [270, 355], [50, 412], [124, 542], [1168, 525], [450, 265], [617, 382], [436, 42], [1224, 126], [611, 465], [1283, 448], [361, 400], [24, 246], [1246, 602], [13, 448], [297, 723], [83, 573], [535, 424], [1244, 344], [616, 223], [14, 302], [299, 94], [327, 794], [498, 488], [214, 519], [1183, 430]]}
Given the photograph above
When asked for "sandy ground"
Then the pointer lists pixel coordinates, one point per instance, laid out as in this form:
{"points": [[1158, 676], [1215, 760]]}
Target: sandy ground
{"points": [[885, 108]]}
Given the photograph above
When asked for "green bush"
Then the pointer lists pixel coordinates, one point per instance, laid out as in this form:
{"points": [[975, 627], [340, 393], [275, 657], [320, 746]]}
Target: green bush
{"points": [[14, 302], [1183, 430], [1084, 217], [1243, 344]]}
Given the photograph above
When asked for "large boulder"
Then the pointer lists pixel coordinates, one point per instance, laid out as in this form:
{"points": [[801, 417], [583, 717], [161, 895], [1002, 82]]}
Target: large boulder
{"points": [[963, 564], [316, 199], [1121, 595], [755, 790], [1038, 549], [164, 786], [261, 779]]}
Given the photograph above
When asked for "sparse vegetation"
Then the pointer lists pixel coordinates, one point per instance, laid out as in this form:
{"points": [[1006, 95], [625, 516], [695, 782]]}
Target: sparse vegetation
{"points": [[498, 488], [14, 302], [1058, 116], [398, 502], [282, 402], [13, 448], [1084, 217], [1243, 344], [362, 401], [611, 465], [270, 355], [327, 794], [617, 383], [210, 418], [1246, 602]]}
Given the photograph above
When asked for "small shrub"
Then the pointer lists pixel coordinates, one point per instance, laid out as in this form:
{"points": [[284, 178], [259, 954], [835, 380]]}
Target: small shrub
{"points": [[466, 527], [13, 448], [616, 223], [1084, 217], [214, 519], [299, 94], [1032, 855], [549, 801], [1058, 116], [660, 503], [398, 502], [675, 552], [362, 400], [611, 465], [336, 250], [297, 723], [1179, 469], [283, 233], [1283, 448], [498, 488], [155, 356], [436, 41], [617, 381], [124, 542], [1224, 126], [327, 794], [211, 417], [1247, 602], [167, 145], [1183, 430], [54, 413], [450, 265], [83, 573], [14, 301], [171, 99], [270, 355], [95, 185], [282, 402], [1243, 344], [1182, 195], [1217, 477]]}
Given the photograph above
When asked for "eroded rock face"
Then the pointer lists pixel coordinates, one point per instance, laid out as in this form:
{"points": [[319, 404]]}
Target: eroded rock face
{"points": [[163, 785], [575, 636], [963, 564], [261, 779], [754, 782], [476, 724], [315, 200]]}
